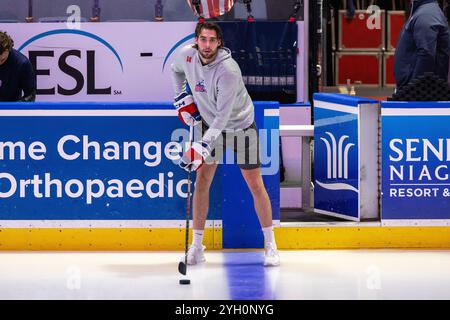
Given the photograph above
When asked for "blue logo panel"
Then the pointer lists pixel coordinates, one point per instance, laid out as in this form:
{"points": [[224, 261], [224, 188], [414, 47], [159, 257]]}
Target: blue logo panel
{"points": [[336, 162]]}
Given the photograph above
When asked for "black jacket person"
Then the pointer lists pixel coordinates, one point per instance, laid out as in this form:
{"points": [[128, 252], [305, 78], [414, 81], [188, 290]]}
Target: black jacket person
{"points": [[17, 79], [424, 43]]}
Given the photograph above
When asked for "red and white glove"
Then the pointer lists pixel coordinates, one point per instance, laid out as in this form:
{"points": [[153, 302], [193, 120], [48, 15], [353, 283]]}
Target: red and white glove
{"points": [[195, 156], [187, 109]]}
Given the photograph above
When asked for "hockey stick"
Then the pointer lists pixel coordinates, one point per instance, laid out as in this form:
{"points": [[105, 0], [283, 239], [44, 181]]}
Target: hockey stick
{"points": [[29, 18], [182, 266], [95, 12], [159, 10]]}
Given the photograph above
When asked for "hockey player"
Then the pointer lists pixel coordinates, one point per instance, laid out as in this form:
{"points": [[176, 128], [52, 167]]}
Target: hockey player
{"points": [[222, 107]]}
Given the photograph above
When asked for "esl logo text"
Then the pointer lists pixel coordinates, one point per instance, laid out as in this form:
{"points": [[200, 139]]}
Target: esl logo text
{"points": [[71, 59]]}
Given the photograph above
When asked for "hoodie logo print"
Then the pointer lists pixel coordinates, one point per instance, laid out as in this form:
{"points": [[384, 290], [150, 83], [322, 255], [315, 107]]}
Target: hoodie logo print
{"points": [[200, 86]]}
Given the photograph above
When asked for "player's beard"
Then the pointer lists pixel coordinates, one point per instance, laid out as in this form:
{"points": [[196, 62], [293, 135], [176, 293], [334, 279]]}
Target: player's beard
{"points": [[210, 55]]}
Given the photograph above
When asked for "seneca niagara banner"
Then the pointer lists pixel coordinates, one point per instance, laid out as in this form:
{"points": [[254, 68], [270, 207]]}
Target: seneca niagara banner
{"points": [[415, 163], [102, 61]]}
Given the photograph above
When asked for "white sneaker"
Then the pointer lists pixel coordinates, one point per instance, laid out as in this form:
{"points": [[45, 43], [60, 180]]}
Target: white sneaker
{"points": [[271, 257], [195, 255]]}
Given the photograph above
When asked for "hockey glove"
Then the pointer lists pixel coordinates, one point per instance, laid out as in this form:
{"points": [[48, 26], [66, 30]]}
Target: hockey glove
{"points": [[187, 109], [195, 156]]}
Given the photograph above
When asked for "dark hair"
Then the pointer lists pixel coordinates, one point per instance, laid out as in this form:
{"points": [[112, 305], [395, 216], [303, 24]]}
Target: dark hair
{"points": [[209, 26], [447, 10], [6, 43]]}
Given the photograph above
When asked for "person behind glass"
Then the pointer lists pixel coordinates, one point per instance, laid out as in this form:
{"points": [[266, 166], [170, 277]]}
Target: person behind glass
{"points": [[424, 43], [17, 78]]}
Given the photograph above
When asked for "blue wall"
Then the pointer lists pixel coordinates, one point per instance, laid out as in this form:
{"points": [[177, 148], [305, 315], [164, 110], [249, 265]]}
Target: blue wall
{"points": [[230, 199]]}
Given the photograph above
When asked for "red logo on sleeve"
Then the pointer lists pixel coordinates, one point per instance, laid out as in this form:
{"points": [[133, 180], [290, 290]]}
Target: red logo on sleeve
{"points": [[189, 59]]}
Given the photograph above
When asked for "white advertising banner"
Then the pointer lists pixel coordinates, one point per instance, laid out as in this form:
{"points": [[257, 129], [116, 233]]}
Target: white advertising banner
{"points": [[102, 61]]}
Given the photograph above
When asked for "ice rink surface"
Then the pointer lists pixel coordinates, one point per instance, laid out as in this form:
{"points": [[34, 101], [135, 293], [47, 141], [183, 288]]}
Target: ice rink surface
{"points": [[303, 274]]}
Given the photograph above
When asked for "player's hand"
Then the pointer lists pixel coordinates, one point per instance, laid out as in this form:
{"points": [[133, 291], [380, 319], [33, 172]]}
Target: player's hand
{"points": [[195, 156], [187, 109]]}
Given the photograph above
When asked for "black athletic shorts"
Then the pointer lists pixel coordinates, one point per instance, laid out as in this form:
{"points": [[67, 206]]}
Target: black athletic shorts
{"points": [[244, 143]]}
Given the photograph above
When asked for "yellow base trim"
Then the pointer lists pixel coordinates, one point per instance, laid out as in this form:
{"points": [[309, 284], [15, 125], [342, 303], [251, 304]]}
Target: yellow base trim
{"points": [[362, 237], [138, 239], [133, 239]]}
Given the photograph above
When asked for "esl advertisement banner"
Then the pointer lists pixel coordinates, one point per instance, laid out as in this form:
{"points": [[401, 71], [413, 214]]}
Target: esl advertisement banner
{"points": [[108, 61], [415, 163], [336, 160]]}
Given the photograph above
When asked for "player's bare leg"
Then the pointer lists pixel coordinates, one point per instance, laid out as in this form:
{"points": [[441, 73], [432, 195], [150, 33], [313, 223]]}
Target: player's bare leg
{"points": [[200, 206], [203, 180], [263, 209], [261, 199]]}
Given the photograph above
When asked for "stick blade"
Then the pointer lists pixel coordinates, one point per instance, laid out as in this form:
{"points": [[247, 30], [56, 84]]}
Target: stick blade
{"points": [[182, 268]]}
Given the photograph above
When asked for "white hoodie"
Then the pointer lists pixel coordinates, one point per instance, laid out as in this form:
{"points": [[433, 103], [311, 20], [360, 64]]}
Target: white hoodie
{"points": [[217, 88]]}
